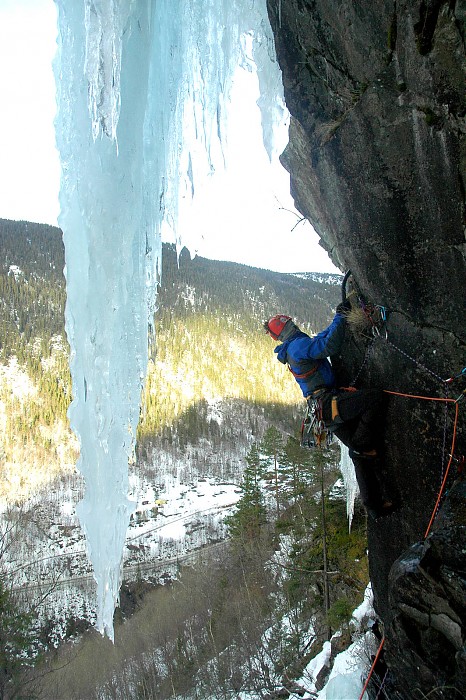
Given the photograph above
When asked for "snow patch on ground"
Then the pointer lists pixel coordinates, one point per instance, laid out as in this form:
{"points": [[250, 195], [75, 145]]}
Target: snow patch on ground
{"points": [[177, 515], [16, 380], [15, 271], [323, 278], [350, 667], [214, 412]]}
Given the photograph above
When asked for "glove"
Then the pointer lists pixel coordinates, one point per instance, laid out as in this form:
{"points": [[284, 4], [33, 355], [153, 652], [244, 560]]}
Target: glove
{"points": [[344, 307]]}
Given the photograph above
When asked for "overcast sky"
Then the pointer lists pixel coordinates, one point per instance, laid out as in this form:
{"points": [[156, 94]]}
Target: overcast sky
{"points": [[253, 222]]}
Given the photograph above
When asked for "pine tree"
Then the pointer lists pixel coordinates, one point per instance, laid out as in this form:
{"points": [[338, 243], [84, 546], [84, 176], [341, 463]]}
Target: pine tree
{"points": [[271, 445], [298, 468], [18, 647], [250, 515]]}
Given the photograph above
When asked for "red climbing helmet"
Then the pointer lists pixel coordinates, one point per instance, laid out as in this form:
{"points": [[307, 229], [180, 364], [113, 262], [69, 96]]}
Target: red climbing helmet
{"points": [[276, 324]]}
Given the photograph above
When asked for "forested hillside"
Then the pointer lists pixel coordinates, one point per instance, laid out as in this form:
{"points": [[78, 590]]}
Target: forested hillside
{"points": [[32, 291], [213, 385], [218, 409]]}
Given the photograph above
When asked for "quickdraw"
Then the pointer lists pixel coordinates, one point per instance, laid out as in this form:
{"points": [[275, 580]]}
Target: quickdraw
{"points": [[377, 317], [456, 376], [314, 432]]}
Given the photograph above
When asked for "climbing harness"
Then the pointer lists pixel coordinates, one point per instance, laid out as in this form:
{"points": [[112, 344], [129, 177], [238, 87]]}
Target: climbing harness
{"points": [[314, 432]]}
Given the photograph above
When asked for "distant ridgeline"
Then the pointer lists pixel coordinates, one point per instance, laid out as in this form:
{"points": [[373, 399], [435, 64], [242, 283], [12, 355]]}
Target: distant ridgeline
{"points": [[212, 354]]}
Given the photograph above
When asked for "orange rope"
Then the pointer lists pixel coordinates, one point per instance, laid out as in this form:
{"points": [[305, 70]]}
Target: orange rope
{"points": [[452, 449], [414, 396], [379, 651]]}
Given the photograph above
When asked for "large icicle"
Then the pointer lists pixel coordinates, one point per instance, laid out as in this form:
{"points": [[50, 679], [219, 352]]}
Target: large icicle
{"points": [[105, 238], [349, 480], [143, 92]]}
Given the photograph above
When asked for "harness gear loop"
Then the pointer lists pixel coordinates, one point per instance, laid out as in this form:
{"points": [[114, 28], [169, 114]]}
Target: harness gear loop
{"points": [[314, 432], [314, 422]]}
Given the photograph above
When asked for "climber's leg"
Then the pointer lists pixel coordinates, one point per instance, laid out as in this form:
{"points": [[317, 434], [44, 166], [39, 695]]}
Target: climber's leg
{"points": [[364, 411]]}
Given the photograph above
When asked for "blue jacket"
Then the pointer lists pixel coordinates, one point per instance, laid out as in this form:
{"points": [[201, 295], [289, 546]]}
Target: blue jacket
{"points": [[308, 356]]}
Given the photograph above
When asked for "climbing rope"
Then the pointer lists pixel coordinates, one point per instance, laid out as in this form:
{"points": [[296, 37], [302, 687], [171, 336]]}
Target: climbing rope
{"points": [[439, 497], [442, 487], [374, 663], [416, 362], [452, 448]]}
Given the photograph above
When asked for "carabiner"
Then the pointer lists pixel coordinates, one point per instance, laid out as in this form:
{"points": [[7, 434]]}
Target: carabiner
{"points": [[456, 376]]}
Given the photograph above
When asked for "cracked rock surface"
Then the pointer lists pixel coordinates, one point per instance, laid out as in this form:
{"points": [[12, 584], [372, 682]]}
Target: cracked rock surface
{"points": [[428, 601]]}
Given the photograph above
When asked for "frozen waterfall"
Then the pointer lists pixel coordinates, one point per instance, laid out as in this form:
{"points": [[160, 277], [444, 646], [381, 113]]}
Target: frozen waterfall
{"points": [[143, 108]]}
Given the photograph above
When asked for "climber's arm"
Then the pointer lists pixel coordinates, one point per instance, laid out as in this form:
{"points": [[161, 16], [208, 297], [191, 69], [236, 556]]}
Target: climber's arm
{"points": [[329, 341]]}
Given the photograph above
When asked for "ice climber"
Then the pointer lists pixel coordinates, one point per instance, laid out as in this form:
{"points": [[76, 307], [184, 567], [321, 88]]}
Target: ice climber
{"points": [[355, 417]]}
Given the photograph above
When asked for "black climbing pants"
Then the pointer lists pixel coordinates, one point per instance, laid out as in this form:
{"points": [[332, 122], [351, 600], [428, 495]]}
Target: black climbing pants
{"points": [[363, 416]]}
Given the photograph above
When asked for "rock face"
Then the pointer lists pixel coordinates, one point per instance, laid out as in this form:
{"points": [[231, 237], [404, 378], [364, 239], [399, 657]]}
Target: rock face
{"points": [[428, 593], [377, 158]]}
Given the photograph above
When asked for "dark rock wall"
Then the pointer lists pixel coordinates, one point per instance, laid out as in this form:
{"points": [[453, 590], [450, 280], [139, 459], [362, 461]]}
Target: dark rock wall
{"points": [[377, 158]]}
